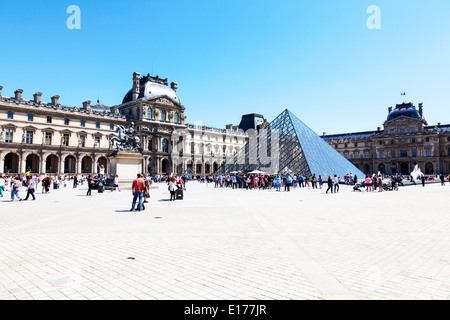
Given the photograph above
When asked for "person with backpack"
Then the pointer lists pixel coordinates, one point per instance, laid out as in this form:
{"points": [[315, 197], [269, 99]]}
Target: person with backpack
{"points": [[16, 184], [288, 182]]}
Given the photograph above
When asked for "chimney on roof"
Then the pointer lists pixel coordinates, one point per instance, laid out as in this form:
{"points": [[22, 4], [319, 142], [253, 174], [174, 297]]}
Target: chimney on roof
{"points": [[1, 90], [390, 109], [114, 109], [136, 85], [18, 94], [55, 100], [87, 105], [421, 110], [37, 97], [174, 86]]}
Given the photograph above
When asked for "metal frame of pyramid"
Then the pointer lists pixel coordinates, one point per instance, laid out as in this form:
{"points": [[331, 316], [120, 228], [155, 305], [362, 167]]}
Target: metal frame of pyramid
{"points": [[289, 143]]}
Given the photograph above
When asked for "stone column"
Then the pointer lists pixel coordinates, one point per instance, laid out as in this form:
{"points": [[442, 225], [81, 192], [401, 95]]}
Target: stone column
{"points": [[60, 165], [78, 164], [43, 165], [22, 163]]}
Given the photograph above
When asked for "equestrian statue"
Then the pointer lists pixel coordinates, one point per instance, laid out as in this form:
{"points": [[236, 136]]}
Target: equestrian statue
{"points": [[127, 140]]}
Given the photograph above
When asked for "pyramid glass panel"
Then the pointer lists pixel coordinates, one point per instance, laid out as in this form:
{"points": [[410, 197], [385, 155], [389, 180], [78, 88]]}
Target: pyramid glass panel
{"points": [[288, 145]]}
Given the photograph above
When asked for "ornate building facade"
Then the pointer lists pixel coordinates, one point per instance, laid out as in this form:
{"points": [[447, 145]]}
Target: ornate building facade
{"points": [[50, 138], [405, 141]]}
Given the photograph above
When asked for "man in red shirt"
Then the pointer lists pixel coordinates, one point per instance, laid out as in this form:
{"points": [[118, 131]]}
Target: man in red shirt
{"points": [[137, 188]]}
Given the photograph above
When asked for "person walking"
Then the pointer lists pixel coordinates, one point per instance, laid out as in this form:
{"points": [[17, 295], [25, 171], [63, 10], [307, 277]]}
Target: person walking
{"points": [[137, 189], [368, 184], [116, 183], [423, 180], [16, 184], [336, 183], [289, 182], [89, 182], [330, 184], [2, 185], [442, 177], [75, 181], [380, 184], [320, 181], [30, 188], [172, 188]]}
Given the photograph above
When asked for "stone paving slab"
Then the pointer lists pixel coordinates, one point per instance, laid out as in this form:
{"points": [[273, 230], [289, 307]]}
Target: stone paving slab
{"points": [[227, 244]]}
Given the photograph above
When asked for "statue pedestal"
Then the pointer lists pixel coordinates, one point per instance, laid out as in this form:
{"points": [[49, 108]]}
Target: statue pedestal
{"points": [[126, 165]]}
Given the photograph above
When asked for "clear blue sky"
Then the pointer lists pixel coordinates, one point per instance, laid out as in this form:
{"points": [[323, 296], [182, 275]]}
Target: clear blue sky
{"points": [[230, 57]]}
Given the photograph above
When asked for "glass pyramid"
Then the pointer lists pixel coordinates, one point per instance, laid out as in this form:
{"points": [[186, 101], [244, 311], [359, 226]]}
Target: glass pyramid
{"points": [[287, 145]]}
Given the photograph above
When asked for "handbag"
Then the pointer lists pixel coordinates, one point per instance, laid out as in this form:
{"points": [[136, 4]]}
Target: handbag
{"points": [[147, 194]]}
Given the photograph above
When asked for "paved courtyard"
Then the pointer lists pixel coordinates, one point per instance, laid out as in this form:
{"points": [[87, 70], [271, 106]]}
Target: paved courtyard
{"points": [[227, 244]]}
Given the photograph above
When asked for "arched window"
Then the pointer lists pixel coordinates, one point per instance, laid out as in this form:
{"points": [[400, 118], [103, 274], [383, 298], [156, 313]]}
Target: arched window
{"points": [[150, 113], [165, 145], [175, 117], [163, 115]]}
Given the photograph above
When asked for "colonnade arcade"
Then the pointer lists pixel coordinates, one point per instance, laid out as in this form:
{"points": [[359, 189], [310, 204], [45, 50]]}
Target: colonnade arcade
{"points": [[56, 163]]}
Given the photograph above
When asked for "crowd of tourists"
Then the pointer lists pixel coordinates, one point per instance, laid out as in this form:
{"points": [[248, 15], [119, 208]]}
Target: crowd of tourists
{"points": [[277, 182], [14, 184]]}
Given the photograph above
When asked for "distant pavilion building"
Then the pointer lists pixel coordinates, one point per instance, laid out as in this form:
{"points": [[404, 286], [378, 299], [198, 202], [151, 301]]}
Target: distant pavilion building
{"points": [[405, 141]]}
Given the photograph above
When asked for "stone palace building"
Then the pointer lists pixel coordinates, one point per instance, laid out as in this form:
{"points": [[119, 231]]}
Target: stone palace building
{"points": [[51, 138], [405, 141]]}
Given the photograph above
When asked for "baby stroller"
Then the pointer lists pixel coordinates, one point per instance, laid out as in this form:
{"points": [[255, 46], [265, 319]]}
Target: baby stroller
{"points": [[359, 185]]}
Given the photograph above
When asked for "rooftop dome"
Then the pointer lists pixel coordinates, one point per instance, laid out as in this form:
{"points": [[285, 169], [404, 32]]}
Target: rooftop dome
{"points": [[152, 87], [404, 110]]}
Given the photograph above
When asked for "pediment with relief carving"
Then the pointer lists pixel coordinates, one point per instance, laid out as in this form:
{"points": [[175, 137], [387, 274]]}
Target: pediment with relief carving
{"points": [[165, 101]]}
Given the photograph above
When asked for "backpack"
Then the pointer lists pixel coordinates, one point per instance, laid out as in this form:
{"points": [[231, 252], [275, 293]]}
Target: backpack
{"points": [[17, 184]]}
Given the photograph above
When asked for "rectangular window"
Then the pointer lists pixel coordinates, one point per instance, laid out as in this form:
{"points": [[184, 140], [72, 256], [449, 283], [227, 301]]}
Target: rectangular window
{"points": [[29, 137], [48, 138], [66, 121], [367, 154], [30, 117], [381, 154], [150, 145], [97, 142], [10, 115], [392, 153], [82, 141], [403, 153], [82, 123], [428, 152], [413, 129], [192, 148], [9, 135], [392, 131], [65, 139], [111, 126], [414, 152], [356, 155], [97, 125], [402, 130], [346, 155], [49, 119]]}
